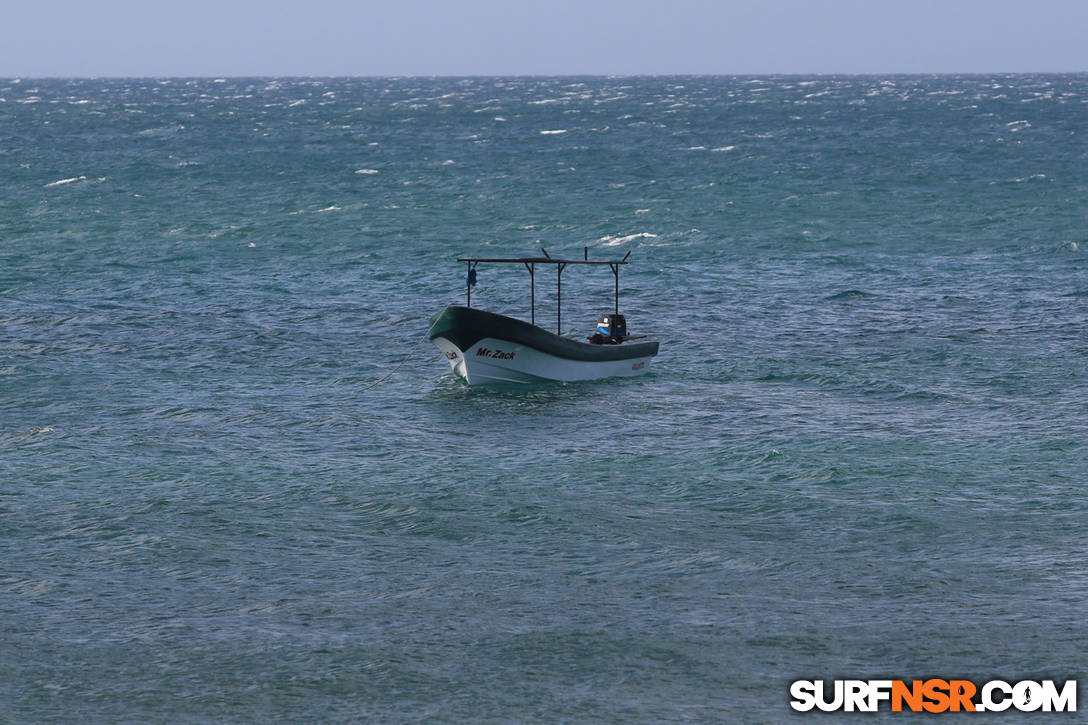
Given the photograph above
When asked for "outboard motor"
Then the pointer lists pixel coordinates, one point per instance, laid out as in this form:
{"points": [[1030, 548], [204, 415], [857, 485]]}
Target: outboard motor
{"points": [[612, 328]]}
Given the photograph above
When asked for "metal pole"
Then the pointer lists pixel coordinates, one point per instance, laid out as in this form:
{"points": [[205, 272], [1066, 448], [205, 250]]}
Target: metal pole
{"points": [[532, 291], [616, 272], [558, 299]]}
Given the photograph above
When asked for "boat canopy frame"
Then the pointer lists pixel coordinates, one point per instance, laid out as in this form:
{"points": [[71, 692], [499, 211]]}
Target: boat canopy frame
{"points": [[530, 264]]}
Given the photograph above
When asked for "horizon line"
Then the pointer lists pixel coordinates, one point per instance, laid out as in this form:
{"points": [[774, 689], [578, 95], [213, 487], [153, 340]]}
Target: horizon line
{"points": [[394, 76]]}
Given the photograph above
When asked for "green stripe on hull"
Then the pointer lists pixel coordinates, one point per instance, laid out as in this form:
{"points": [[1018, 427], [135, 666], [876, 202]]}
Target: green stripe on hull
{"points": [[464, 327]]}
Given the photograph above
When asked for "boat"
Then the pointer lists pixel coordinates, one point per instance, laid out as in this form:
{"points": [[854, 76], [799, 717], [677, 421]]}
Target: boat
{"points": [[487, 348]]}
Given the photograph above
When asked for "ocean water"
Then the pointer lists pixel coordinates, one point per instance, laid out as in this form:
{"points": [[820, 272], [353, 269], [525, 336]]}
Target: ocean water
{"points": [[862, 451]]}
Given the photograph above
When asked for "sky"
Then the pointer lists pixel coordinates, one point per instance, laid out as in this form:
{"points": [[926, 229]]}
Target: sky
{"points": [[99, 38]]}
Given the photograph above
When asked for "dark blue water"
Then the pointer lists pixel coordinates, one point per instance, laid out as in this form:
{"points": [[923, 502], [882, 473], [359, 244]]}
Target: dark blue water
{"points": [[862, 451]]}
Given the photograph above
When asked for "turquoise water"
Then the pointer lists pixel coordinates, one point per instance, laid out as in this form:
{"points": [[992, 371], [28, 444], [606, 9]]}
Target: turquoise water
{"points": [[862, 451]]}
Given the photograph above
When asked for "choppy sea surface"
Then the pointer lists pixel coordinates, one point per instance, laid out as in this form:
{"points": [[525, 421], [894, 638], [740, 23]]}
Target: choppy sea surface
{"points": [[862, 451]]}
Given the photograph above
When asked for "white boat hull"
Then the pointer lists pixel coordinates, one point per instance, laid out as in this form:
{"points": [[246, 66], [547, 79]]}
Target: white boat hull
{"points": [[492, 361], [483, 347]]}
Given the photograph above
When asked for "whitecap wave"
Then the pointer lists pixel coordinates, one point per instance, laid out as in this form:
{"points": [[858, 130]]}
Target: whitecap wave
{"points": [[553, 132], [366, 171], [615, 241], [62, 182], [161, 131], [1021, 179]]}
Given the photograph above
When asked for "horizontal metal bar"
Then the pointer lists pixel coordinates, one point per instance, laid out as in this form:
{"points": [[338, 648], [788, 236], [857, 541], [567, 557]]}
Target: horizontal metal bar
{"points": [[540, 260]]}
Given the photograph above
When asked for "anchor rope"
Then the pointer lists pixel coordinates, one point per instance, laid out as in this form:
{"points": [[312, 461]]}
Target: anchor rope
{"points": [[410, 353]]}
